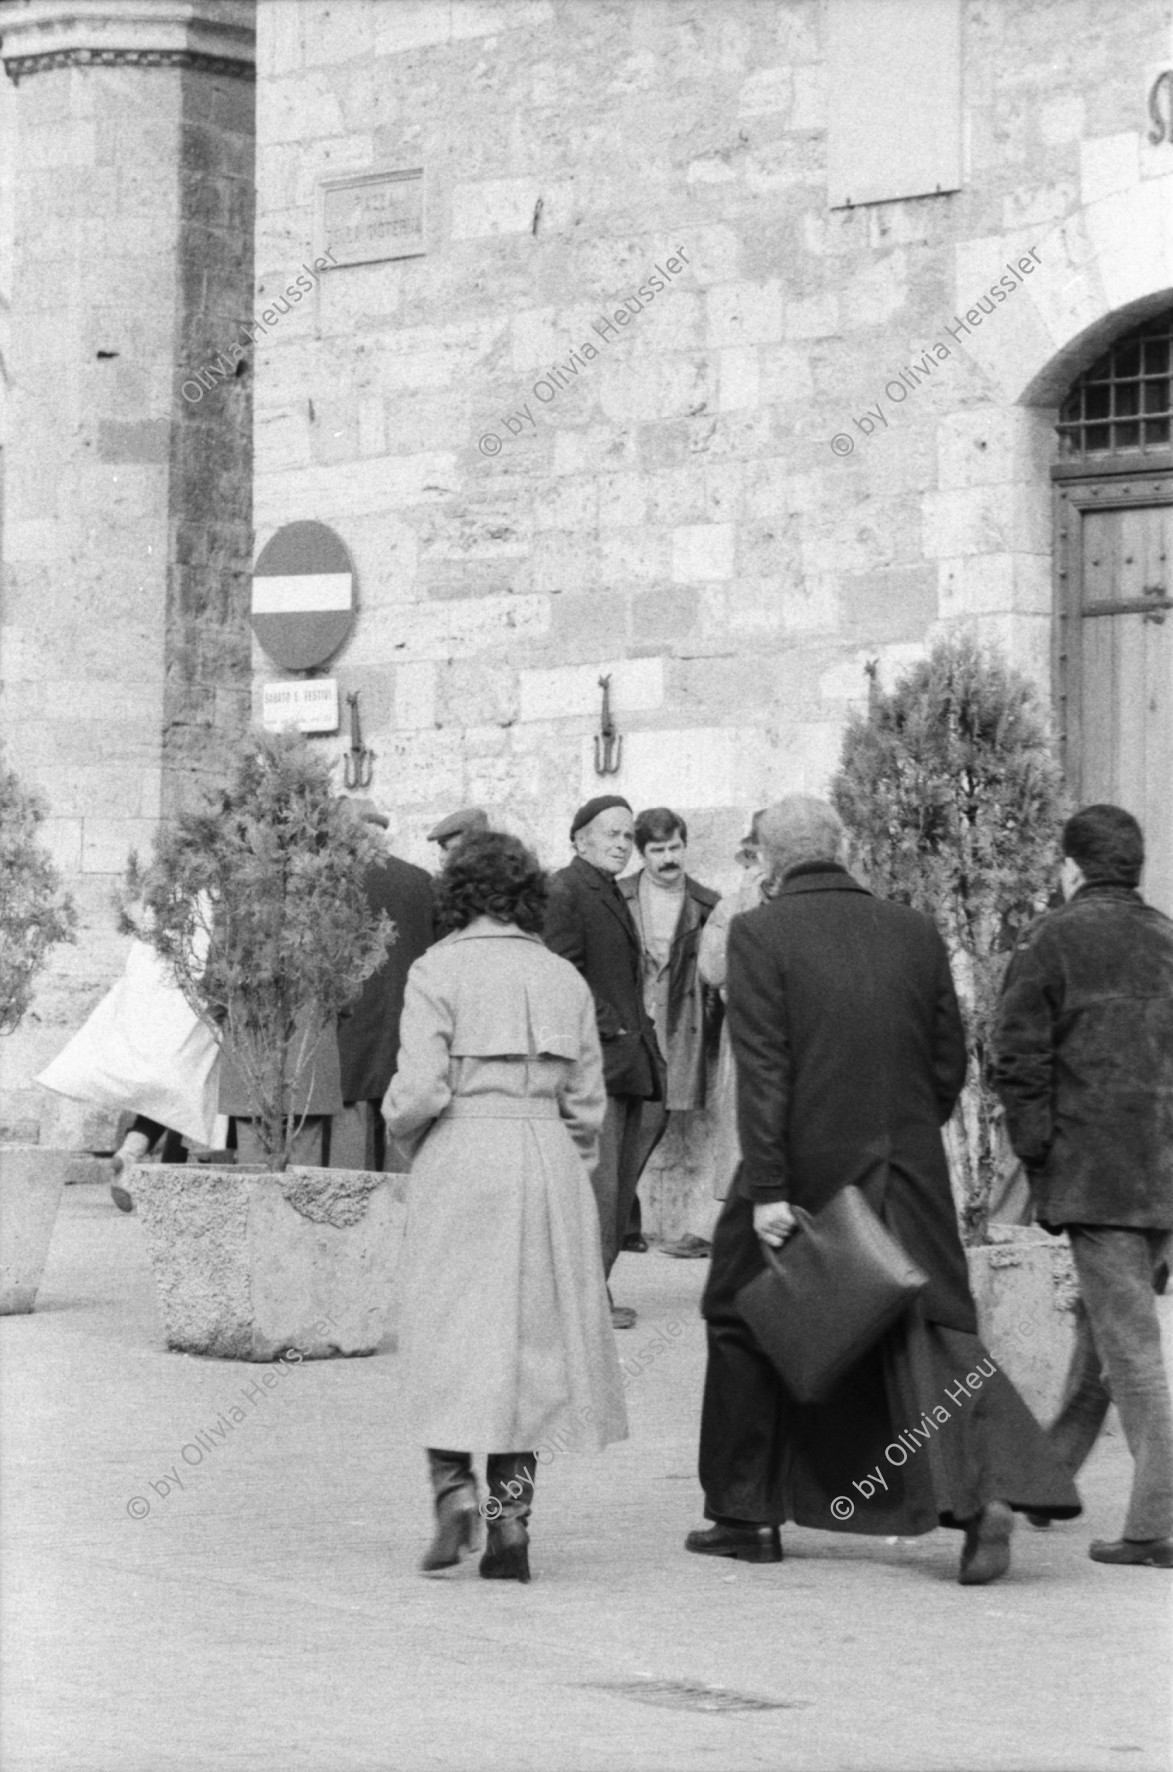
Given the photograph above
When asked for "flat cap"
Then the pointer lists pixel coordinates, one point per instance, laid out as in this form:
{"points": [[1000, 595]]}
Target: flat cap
{"points": [[459, 824]]}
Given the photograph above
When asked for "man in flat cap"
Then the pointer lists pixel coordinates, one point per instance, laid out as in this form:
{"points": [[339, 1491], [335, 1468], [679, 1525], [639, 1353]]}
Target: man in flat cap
{"points": [[368, 1032], [589, 924], [457, 826]]}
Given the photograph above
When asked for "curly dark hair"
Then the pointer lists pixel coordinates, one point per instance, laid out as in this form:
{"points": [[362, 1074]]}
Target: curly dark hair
{"points": [[491, 874]]}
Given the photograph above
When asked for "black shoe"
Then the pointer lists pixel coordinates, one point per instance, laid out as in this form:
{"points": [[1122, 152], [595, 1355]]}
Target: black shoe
{"points": [[985, 1555], [1039, 1521], [635, 1243], [1150, 1553], [456, 1527], [121, 1198], [506, 1555], [749, 1544]]}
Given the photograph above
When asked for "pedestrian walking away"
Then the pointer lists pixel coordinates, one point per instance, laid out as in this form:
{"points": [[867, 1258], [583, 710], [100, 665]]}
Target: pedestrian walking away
{"points": [[850, 1056], [588, 923], [1084, 1067], [498, 1101]]}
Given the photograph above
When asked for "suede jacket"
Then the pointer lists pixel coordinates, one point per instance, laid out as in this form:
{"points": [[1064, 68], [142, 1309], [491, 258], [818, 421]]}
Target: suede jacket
{"points": [[1084, 1060]]}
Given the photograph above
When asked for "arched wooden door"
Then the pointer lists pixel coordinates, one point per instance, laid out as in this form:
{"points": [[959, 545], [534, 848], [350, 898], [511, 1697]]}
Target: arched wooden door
{"points": [[1114, 560]]}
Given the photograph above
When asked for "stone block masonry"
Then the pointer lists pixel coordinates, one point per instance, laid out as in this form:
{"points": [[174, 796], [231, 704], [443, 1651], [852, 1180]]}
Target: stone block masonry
{"points": [[125, 264], [516, 499], [550, 468]]}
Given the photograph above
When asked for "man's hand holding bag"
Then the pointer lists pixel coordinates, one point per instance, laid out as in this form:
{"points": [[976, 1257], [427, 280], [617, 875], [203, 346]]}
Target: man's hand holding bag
{"points": [[840, 1281]]}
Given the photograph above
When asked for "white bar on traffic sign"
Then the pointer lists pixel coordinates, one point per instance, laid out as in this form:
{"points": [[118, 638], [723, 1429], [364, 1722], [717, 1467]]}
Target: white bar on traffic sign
{"points": [[306, 593]]}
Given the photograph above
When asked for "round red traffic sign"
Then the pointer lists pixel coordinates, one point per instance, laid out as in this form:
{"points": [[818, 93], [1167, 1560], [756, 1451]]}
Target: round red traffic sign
{"points": [[303, 595]]}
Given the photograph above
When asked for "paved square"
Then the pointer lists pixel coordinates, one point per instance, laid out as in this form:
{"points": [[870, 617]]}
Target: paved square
{"points": [[267, 1616]]}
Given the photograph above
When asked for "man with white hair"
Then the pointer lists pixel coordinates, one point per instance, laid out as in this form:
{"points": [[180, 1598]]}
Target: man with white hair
{"points": [[850, 1057]]}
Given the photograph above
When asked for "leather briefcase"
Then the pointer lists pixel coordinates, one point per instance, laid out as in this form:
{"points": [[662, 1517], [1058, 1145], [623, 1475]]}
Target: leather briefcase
{"points": [[838, 1282]]}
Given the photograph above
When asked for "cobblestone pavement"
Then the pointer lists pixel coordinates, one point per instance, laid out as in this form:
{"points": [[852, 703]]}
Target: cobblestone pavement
{"points": [[267, 1615]]}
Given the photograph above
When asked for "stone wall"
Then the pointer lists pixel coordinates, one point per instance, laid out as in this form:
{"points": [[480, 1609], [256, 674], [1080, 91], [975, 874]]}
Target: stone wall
{"points": [[127, 508], [670, 505], [671, 509]]}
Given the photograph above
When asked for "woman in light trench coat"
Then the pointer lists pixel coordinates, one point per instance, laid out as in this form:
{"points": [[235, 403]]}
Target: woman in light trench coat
{"points": [[505, 1329]]}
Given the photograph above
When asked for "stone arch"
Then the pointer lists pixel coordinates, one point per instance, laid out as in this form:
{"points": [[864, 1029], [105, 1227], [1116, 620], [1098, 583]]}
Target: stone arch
{"points": [[1100, 271]]}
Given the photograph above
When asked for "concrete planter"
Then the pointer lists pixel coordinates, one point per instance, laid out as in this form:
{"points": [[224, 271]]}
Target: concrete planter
{"points": [[32, 1181], [1025, 1288], [249, 1264]]}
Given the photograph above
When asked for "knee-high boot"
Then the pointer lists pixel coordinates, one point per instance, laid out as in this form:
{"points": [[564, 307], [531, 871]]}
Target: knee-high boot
{"points": [[455, 1489], [511, 1487]]}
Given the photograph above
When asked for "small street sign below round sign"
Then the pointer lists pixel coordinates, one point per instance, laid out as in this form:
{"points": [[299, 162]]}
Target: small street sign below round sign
{"points": [[303, 595]]}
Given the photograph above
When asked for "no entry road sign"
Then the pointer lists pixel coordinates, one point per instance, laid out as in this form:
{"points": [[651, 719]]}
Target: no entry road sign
{"points": [[303, 595]]}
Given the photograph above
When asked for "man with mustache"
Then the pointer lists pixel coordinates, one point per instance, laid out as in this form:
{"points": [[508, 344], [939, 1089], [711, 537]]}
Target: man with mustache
{"points": [[670, 909]]}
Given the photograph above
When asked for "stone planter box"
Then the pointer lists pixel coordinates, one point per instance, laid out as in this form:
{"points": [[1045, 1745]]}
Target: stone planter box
{"points": [[248, 1265], [32, 1180], [1025, 1289]]}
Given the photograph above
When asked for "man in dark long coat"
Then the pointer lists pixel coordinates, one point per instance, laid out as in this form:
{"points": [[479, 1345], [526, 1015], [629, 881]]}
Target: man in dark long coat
{"points": [[368, 1032], [850, 1057], [589, 924]]}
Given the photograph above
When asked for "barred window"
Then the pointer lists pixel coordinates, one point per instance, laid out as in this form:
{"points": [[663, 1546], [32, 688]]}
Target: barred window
{"points": [[1123, 404]]}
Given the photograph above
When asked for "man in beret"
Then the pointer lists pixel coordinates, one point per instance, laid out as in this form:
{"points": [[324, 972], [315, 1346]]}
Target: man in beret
{"points": [[589, 924], [457, 826]]}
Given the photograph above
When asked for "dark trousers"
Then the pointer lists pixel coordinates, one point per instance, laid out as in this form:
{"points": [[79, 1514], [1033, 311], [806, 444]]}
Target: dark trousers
{"points": [[765, 1458], [1117, 1358], [311, 1143], [616, 1175], [358, 1138], [174, 1150], [653, 1123]]}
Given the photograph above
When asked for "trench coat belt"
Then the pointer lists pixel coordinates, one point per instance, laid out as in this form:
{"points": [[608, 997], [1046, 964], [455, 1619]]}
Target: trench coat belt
{"points": [[487, 1107]]}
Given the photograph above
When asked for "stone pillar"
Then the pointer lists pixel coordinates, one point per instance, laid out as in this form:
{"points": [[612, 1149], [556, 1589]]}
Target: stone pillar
{"points": [[126, 219]]}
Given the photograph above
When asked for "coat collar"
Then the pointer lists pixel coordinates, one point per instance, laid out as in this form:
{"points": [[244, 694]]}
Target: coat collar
{"points": [[606, 886], [819, 876], [589, 875], [629, 886], [1106, 889], [488, 927]]}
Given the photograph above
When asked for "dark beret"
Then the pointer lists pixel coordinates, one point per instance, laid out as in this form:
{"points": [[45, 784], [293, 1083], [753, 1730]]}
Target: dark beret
{"points": [[592, 809]]}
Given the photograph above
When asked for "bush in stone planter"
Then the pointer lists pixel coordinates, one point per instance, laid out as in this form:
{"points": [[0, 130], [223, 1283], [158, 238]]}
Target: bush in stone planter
{"points": [[35, 914], [257, 904], [954, 800]]}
